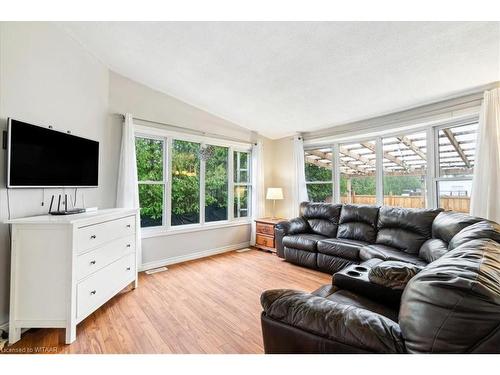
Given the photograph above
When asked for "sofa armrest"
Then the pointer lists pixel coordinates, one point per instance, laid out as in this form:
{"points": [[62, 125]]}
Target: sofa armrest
{"points": [[342, 323], [287, 227]]}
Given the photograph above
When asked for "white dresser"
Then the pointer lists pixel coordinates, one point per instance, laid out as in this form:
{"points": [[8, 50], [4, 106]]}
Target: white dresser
{"points": [[63, 268]]}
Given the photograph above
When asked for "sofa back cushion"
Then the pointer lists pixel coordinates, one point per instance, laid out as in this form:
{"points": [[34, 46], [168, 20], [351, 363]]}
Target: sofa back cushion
{"points": [[405, 229], [358, 222], [323, 218], [453, 304], [433, 249], [483, 230], [447, 224]]}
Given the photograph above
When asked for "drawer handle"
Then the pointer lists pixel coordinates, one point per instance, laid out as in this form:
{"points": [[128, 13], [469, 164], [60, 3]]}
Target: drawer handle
{"points": [[128, 268], [128, 245], [93, 292], [128, 225], [92, 262], [93, 237]]}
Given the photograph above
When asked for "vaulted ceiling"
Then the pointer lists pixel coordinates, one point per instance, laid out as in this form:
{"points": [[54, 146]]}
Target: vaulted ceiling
{"points": [[279, 78]]}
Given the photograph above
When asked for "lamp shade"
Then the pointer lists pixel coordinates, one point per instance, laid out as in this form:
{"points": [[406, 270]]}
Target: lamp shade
{"points": [[274, 193]]}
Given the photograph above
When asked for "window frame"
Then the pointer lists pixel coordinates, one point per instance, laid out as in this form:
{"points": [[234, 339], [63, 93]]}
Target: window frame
{"points": [[247, 184], [325, 182], [437, 178], [165, 179], [168, 137], [432, 136]]}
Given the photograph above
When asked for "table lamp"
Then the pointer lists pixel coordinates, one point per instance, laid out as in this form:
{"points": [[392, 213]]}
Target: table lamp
{"points": [[274, 194]]}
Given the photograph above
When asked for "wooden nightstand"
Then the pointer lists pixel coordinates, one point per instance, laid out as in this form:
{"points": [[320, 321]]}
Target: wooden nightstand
{"points": [[264, 236]]}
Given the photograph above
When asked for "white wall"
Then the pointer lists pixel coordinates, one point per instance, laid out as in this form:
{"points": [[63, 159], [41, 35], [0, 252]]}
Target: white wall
{"points": [[47, 78], [281, 168]]}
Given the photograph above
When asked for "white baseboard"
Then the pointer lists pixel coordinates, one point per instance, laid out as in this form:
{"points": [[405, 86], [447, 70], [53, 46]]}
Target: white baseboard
{"points": [[4, 327], [192, 256]]}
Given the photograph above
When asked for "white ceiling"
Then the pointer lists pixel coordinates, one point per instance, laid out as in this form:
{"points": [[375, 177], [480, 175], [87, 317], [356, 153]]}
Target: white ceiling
{"points": [[279, 78]]}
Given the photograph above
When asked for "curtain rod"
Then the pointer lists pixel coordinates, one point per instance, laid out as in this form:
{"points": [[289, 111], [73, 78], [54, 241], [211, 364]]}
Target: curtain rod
{"points": [[189, 130]]}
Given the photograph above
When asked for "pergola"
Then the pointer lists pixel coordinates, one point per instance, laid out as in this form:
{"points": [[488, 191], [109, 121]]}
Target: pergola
{"points": [[405, 155]]}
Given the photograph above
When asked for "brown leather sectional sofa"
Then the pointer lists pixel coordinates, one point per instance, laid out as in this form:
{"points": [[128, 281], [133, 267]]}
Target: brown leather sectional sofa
{"points": [[404, 281]]}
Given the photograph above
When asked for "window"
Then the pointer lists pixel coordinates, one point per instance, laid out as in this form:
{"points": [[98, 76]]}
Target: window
{"points": [[456, 149], [216, 183], [357, 173], [242, 184], [430, 166], [185, 183], [150, 173], [319, 174], [405, 170]]}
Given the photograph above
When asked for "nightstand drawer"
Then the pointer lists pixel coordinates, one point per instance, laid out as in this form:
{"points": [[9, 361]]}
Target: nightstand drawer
{"points": [[264, 241], [264, 228]]}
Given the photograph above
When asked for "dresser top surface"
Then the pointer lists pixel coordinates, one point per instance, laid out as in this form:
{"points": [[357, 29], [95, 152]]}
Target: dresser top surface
{"points": [[86, 217]]}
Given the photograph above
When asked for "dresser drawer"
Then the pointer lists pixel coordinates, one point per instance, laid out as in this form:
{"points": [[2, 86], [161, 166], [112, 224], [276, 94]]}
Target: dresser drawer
{"points": [[264, 241], [94, 260], [104, 284], [92, 236], [265, 228]]}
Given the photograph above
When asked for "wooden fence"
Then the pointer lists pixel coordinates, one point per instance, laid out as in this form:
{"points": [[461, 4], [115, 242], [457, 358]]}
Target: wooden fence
{"points": [[460, 204]]}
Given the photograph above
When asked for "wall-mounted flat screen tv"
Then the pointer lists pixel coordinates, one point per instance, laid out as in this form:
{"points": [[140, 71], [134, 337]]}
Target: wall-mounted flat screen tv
{"points": [[44, 158]]}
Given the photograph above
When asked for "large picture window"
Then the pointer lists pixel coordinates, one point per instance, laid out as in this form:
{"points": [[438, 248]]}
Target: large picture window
{"points": [[150, 173], [184, 182], [428, 167], [319, 174]]}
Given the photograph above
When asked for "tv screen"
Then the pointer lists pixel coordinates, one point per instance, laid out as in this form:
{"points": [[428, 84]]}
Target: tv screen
{"points": [[41, 157]]}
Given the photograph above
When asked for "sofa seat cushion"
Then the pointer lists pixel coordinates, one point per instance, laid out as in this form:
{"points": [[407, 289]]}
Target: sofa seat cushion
{"points": [[331, 263], [307, 241], [302, 258], [340, 247], [389, 253]]}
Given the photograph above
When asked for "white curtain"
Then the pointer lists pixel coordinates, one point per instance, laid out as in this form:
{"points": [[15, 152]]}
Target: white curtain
{"points": [[258, 194], [127, 192], [299, 186], [485, 201]]}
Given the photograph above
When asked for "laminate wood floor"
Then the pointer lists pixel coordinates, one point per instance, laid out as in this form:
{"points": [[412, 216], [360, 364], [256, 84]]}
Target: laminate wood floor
{"points": [[210, 305]]}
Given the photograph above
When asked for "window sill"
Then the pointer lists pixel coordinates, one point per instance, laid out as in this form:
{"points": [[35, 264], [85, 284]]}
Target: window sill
{"points": [[163, 231]]}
